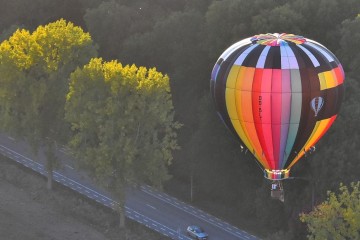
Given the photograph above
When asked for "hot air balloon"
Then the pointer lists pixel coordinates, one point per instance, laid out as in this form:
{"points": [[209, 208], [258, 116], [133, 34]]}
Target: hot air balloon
{"points": [[278, 94]]}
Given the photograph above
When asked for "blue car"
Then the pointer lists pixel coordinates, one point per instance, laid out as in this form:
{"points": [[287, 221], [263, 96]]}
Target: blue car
{"points": [[196, 232]]}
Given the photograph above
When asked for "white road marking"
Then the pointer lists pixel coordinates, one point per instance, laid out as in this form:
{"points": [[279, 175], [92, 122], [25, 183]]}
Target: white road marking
{"points": [[40, 167], [68, 166], [150, 206], [193, 212]]}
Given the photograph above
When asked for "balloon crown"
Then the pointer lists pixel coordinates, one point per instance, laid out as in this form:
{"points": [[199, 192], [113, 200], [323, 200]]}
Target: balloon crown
{"points": [[277, 39]]}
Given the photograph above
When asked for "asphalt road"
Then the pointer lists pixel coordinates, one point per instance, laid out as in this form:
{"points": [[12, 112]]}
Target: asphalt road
{"points": [[156, 210]]}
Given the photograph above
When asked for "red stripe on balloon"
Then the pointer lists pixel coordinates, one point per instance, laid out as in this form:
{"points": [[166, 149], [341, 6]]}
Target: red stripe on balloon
{"points": [[276, 100]]}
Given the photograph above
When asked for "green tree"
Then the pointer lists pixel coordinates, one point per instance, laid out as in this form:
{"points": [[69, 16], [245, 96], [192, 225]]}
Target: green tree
{"points": [[278, 19], [109, 24], [176, 49], [350, 45], [40, 12], [229, 21], [323, 18], [34, 69], [123, 123], [336, 218]]}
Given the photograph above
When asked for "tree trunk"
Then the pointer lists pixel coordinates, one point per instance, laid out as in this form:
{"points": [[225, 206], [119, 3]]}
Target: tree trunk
{"points": [[50, 162], [121, 206], [49, 179], [121, 219], [191, 187]]}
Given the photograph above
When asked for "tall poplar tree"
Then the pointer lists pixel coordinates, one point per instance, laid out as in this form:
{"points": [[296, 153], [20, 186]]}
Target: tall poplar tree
{"points": [[122, 118], [34, 70]]}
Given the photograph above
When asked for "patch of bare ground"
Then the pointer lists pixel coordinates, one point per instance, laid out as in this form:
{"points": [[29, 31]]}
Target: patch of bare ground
{"points": [[29, 211]]}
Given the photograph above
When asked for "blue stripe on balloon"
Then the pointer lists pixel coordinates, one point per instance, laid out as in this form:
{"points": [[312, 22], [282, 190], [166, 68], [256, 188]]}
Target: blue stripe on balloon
{"points": [[234, 47], [243, 55], [262, 58], [310, 55], [289, 57], [323, 52]]}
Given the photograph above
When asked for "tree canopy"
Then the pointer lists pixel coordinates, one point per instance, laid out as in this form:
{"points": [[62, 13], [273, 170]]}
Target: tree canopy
{"points": [[123, 123], [338, 217], [183, 39], [126, 113], [34, 69]]}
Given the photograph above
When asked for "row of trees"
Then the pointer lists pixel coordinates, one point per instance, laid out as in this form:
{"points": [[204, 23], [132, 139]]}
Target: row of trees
{"points": [[35, 68], [118, 119], [184, 38]]}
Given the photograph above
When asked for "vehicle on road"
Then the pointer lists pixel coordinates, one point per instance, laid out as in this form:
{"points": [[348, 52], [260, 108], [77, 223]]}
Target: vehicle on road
{"points": [[196, 232]]}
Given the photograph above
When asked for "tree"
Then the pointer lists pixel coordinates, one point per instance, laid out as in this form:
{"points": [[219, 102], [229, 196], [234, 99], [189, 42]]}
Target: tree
{"points": [[123, 123], [350, 45], [278, 19], [229, 21], [40, 12], [336, 218], [177, 49], [109, 24], [34, 69], [322, 19]]}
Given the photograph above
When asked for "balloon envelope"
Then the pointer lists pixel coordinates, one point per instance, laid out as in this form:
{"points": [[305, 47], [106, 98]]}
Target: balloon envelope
{"points": [[279, 94]]}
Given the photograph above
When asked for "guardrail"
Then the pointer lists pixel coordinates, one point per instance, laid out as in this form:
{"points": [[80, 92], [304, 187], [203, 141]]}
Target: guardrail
{"points": [[92, 194]]}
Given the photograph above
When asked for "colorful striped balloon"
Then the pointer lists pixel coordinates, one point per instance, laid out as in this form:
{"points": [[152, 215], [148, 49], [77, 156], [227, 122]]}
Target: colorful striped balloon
{"points": [[279, 93]]}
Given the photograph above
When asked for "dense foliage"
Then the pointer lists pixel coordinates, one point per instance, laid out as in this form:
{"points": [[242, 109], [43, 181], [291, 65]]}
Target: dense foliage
{"points": [[34, 69], [337, 217], [123, 123], [184, 38]]}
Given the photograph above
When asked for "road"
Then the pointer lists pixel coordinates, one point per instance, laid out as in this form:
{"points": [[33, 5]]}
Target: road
{"points": [[146, 205]]}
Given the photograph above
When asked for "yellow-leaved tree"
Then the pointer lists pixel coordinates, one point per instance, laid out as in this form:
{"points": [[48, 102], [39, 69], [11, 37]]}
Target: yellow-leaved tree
{"points": [[336, 218], [123, 124], [35, 69]]}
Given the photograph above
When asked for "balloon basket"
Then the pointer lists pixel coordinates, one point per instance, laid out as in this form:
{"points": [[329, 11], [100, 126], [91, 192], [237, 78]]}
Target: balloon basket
{"points": [[277, 191], [276, 174]]}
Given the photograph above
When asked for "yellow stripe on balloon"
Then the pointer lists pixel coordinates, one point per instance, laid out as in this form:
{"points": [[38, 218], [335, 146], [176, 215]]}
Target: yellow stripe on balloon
{"points": [[330, 79], [319, 129], [317, 133], [257, 150], [242, 121], [240, 77], [247, 79], [327, 80], [240, 130], [245, 115], [230, 97], [230, 103], [232, 77], [322, 81]]}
